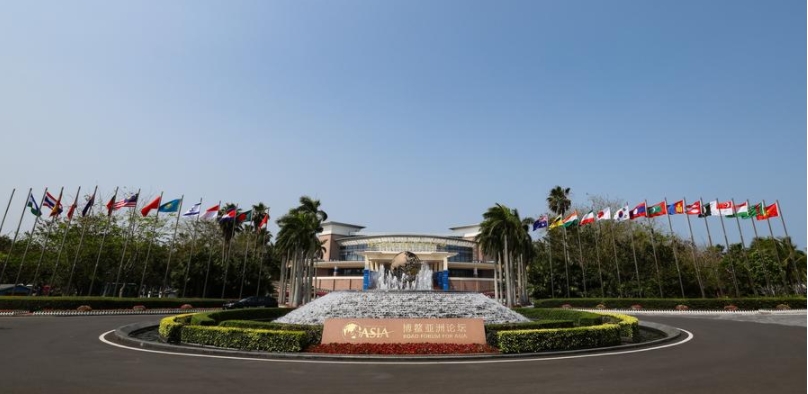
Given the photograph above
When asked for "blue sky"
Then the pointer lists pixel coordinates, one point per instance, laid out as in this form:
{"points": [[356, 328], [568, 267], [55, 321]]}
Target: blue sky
{"points": [[410, 116]]}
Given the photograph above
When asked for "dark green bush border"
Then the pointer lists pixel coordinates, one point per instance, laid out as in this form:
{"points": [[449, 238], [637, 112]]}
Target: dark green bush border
{"points": [[579, 318], [532, 341], [244, 338], [34, 304], [314, 333], [491, 330], [671, 303]]}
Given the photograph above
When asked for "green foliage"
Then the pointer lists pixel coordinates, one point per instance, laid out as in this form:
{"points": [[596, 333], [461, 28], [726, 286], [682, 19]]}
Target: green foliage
{"points": [[247, 314], [314, 333], [34, 304], [579, 318], [531, 341], [171, 327], [244, 338], [629, 325], [670, 303], [491, 330]]}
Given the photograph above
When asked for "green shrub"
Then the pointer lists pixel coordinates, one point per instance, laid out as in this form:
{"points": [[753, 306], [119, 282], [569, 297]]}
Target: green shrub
{"points": [[202, 319], [34, 304], [671, 303], [314, 333], [491, 330], [579, 318], [244, 338], [629, 325], [171, 327], [247, 314], [531, 341]]}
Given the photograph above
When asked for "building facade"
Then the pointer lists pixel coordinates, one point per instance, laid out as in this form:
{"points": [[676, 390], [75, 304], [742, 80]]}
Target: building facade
{"points": [[351, 254]]}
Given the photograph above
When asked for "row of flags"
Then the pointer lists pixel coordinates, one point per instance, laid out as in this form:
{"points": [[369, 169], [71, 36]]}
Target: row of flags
{"points": [[55, 205], [713, 208]]}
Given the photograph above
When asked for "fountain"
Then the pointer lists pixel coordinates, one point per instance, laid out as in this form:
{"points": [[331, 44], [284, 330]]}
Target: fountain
{"points": [[402, 292]]}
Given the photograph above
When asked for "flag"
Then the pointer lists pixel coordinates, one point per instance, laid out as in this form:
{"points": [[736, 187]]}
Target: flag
{"points": [[541, 222], [266, 219], [33, 205], [605, 214], [71, 211], [754, 211], [556, 223], [621, 214], [770, 212], [694, 209], [211, 213], [676, 208], [741, 211], [152, 205], [89, 205], [244, 216], [706, 210], [721, 208], [171, 206], [130, 202], [637, 212], [53, 203], [230, 214], [657, 210], [588, 218], [194, 211], [110, 206], [571, 219]]}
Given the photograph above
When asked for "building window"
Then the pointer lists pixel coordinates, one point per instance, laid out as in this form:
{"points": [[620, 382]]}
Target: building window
{"points": [[352, 252], [464, 254]]}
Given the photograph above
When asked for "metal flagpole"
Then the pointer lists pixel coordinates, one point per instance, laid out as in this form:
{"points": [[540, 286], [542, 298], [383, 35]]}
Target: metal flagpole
{"points": [[6, 212], [634, 252], [81, 242], [550, 258], [243, 266], [260, 244], [788, 239], [769, 286], [597, 255], [743, 245], [64, 238], [710, 243], [54, 217], [653, 249], [726, 240], [210, 259], [110, 204], [581, 258], [693, 248], [193, 246], [616, 262], [673, 245], [125, 244], [774, 241], [148, 248], [173, 241], [566, 256], [30, 236], [16, 233], [226, 258]]}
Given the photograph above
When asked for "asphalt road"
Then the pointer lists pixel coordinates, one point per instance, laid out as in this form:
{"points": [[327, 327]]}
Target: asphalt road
{"points": [[64, 355]]}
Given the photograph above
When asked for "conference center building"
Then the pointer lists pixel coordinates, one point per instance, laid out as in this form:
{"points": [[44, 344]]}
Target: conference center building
{"points": [[351, 255]]}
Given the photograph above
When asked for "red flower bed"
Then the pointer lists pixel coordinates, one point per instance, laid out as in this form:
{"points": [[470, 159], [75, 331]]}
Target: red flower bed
{"points": [[400, 348]]}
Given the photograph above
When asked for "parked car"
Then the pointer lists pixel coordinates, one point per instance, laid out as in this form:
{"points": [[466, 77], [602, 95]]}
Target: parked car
{"points": [[252, 302]]}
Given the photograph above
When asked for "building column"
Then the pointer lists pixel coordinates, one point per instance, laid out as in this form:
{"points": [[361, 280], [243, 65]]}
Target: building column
{"points": [[366, 275], [445, 274]]}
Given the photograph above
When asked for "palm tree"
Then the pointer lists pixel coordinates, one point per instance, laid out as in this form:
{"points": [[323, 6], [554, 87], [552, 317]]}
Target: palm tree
{"points": [[501, 223], [559, 203], [229, 229], [297, 238]]}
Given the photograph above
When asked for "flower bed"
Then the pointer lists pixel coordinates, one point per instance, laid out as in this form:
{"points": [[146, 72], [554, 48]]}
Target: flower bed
{"points": [[400, 348]]}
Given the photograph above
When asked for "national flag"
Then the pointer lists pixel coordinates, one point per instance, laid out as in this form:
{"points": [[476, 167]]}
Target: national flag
{"points": [[741, 211], [71, 211], [33, 205], [230, 214], [706, 210], [171, 206], [154, 204], [266, 219], [637, 212], [722, 208], [621, 214], [55, 204], [541, 222], [556, 223], [754, 211], [130, 202], [693, 209], [244, 216], [571, 219], [110, 206], [194, 211], [605, 214], [771, 211], [211, 213], [657, 210], [89, 205], [676, 208], [588, 218]]}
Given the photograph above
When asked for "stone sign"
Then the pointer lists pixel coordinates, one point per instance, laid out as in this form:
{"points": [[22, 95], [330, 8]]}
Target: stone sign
{"points": [[462, 331]]}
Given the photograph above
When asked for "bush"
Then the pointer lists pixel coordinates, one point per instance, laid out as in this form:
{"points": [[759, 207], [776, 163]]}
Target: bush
{"points": [[33, 304], [491, 330], [314, 333], [531, 341], [579, 318], [244, 338], [171, 327], [629, 325], [670, 303], [246, 314]]}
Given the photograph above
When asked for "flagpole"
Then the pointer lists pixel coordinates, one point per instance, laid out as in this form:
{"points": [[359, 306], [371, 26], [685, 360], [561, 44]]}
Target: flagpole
{"points": [[260, 242], [3, 223], [653, 249], [148, 248], [769, 286], [634, 252], [14, 240], [53, 223], [788, 238], [30, 236], [125, 244], [64, 238], [774, 240], [81, 242], [743, 246], [673, 245], [616, 263], [210, 259], [550, 258], [693, 248], [173, 241], [193, 246], [110, 206], [597, 255], [243, 266], [226, 259], [726, 240], [566, 257], [581, 257], [720, 283]]}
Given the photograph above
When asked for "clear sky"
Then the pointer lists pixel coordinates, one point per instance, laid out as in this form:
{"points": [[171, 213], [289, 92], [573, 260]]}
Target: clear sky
{"points": [[408, 116]]}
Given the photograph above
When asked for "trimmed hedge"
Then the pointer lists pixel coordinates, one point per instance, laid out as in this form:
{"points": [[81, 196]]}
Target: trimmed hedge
{"points": [[34, 304], [532, 341], [579, 318], [671, 303], [491, 330], [629, 325], [240, 314], [244, 338], [171, 327], [314, 333]]}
